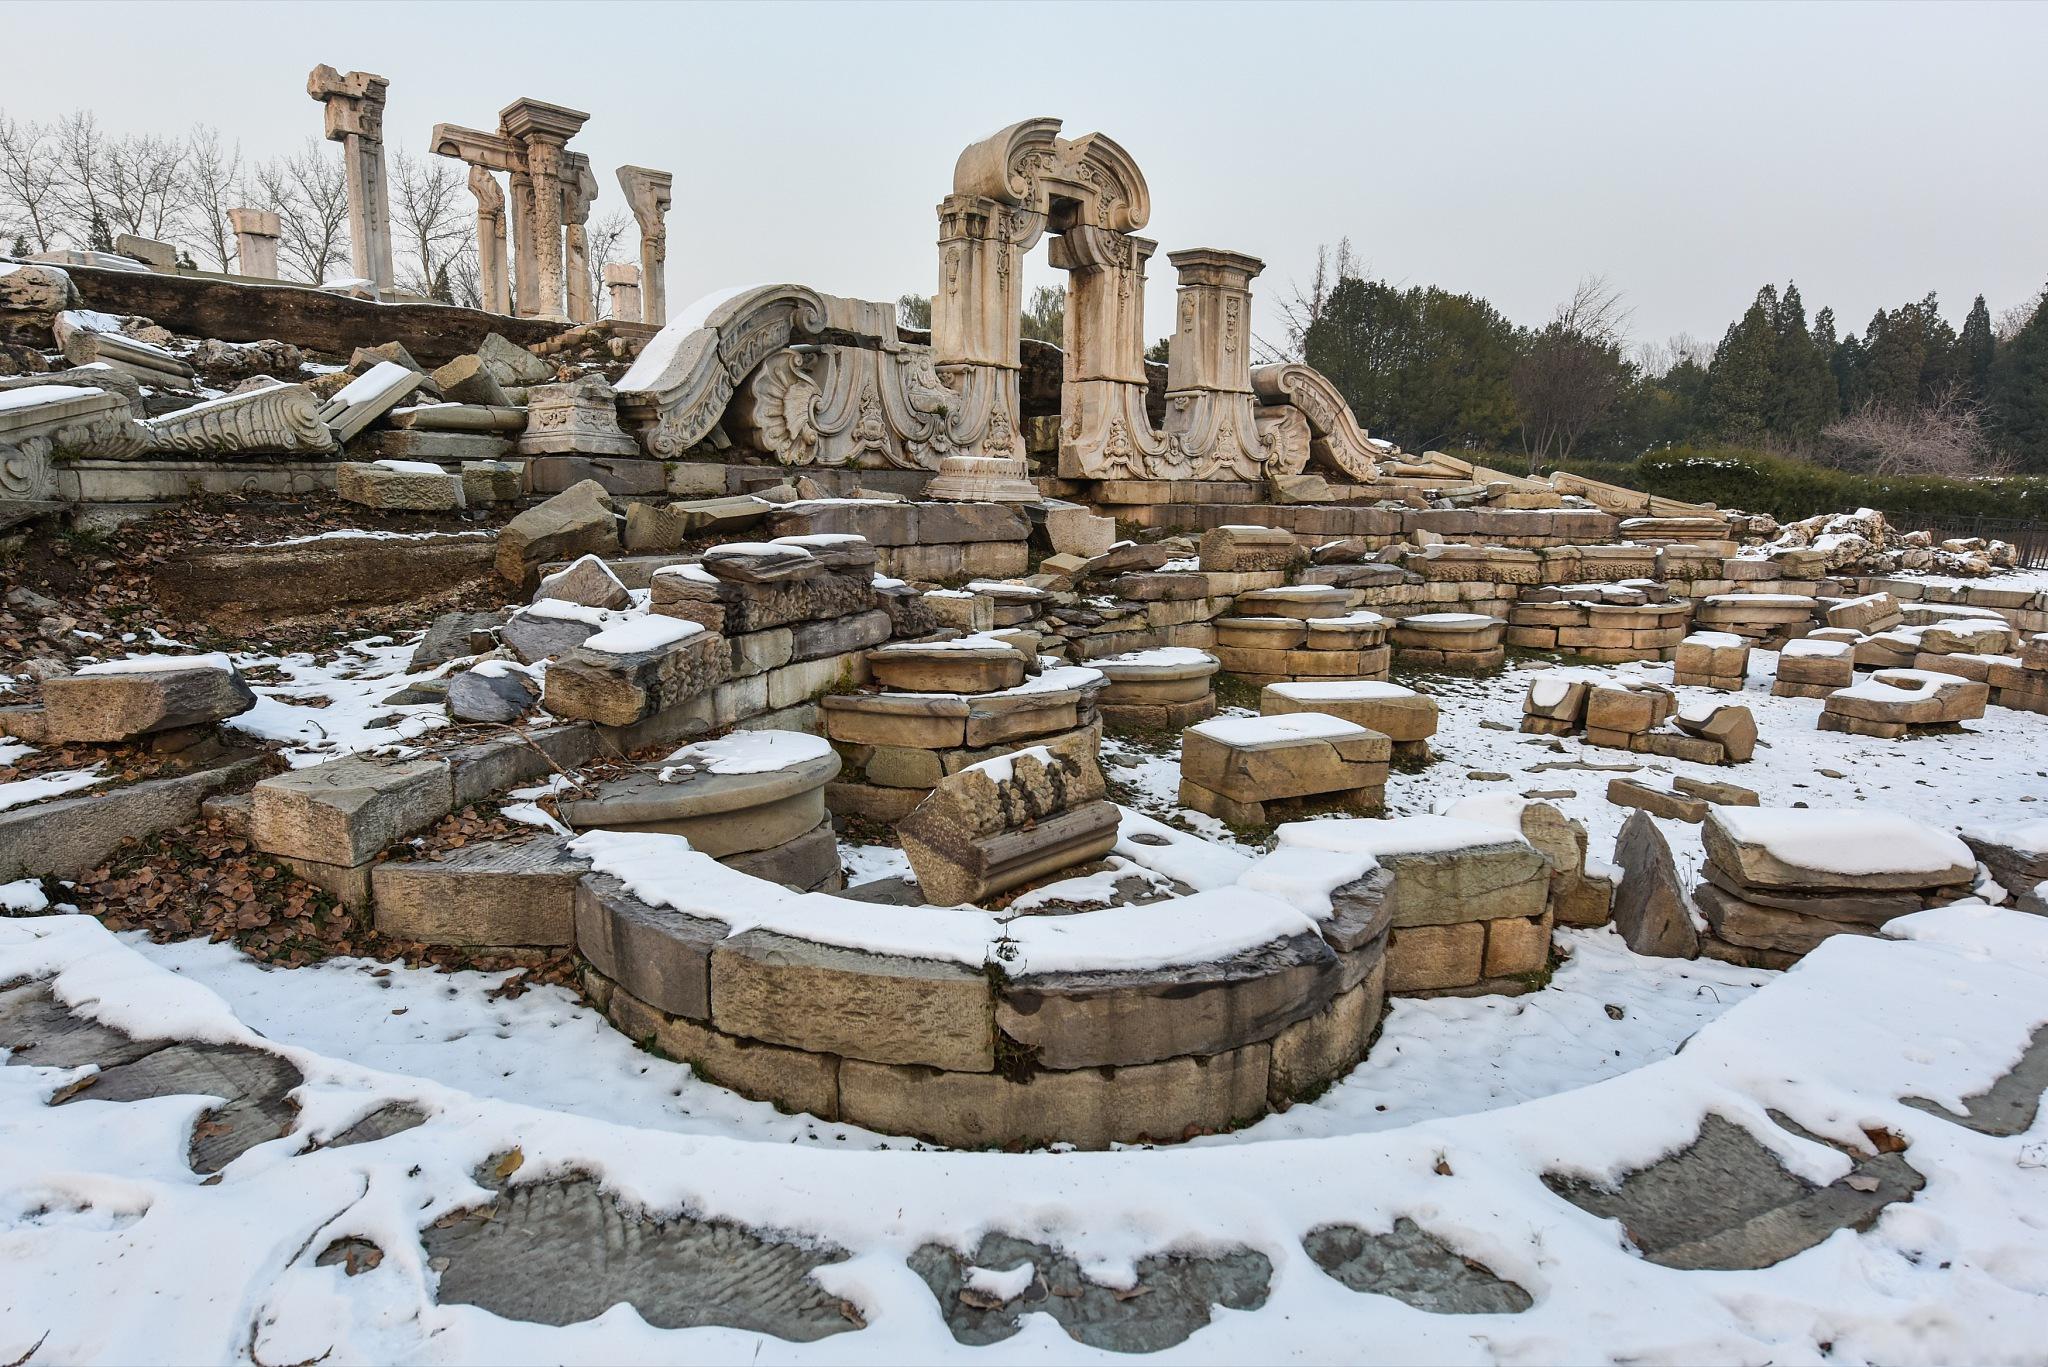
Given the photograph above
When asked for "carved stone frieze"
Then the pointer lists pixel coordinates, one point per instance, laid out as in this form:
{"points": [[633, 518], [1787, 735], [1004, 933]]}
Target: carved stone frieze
{"points": [[281, 419], [846, 405], [1337, 442], [676, 392]]}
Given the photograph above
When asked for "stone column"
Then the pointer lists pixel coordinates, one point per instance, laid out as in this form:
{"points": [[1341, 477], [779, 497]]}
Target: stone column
{"points": [[256, 236], [622, 283], [493, 282], [1104, 430], [579, 189], [1210, 414], [544, 131], [355, 119], [524, 288], [648, 195], [975, 344]]}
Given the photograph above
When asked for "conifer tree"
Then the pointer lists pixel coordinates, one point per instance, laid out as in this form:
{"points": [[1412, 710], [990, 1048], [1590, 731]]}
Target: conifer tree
{"points": [[1828, 382], [2019, 391], [1975, 348], [1739, 379]]}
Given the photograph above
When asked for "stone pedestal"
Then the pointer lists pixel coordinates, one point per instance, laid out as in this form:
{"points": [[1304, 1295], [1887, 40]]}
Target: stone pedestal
{"points": [[622, 286]]}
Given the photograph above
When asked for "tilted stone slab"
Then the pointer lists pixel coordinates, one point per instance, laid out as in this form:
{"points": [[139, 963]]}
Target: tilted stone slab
{"points": [[1301, 755], [1085, 1020], [882, 1008], [617, 687], [105, 707], [1003, 822], [694, 594], [345, 811]]}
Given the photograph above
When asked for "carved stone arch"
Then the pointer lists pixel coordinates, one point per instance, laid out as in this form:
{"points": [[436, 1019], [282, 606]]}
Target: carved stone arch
{"points": [[676, 392], [1030, 166], [1336, 439]]}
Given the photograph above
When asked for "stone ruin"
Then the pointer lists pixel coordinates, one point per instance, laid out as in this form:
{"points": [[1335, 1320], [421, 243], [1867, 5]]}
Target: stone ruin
{"points": [[777, 569]]}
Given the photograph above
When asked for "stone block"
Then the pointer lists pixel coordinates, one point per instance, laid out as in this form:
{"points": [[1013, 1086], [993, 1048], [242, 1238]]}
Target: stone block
{"points": [[877, 1007], [1247, 549], [1650, 908], [659, 955], [789, 1079], [1311, 1054], [1432, 957], [345, 811], [399, 486], [100, 706], [576, 522], [1517, 946], [494, 894]]}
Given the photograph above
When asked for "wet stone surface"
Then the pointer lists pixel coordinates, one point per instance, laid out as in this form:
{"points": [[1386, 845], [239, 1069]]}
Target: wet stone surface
{"points": [[1173, 1297], [1725, 1202], [561, 1252], [1414, 1267], [2008, 1106]]}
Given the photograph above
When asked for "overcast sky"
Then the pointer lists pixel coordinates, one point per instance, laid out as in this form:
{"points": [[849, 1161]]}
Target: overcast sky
{"points": [[1688, 153]]}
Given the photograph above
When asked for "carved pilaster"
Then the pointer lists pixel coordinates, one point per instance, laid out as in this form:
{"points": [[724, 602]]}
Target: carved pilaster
{"points": [[648, 195], [354, 107]]}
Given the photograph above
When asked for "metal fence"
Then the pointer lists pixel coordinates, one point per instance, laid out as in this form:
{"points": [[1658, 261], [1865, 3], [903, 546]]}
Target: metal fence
{"points": [[2030, 537]]}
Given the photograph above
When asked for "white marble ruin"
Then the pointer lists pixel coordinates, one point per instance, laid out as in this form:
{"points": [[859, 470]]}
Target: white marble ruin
{"points": [[551, 192], [355, 119], [648, 196]]}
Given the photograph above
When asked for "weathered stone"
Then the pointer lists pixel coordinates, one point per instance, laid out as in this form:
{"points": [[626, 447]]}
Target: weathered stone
{"points": [[1430, 958], [658, 954], [877, 1007], [575, 522], [1400, 714], [1891, 851], [535, 634], [122, 705], [511, 364], [1245, 549], [623, 674], [587, 581], [1004, 822], [497, 894], [455, 636], [721, 810], [1650, 907], [1627, 792], [579, 417], [369, 397], [406, 486], [1314, 1052], [344, 811], [789, 1078], [492, 692], [282, 419], [1299, 755], [964, 666], [1733, 728], [468, 379]]}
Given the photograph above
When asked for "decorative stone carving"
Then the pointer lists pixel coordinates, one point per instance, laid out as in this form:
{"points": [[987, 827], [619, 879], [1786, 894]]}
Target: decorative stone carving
{"points": [[1337, 442], [648, 196], [678, 389], [579, 190], [39, 422], [355, 119], [530, 147], [1209, 422], [836, 405], [256, 236], [279, 418], [578, 418]]}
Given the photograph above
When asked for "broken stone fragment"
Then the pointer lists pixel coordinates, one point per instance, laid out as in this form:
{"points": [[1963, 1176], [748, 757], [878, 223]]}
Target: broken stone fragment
{"points": [[130, 698], [577, 521], [588, 581], [493, 691], [409, 486], [1650, 907]]}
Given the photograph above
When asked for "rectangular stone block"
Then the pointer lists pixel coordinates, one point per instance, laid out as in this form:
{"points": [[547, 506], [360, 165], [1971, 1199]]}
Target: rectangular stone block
{"points": [[1426, 958], [345, 811]]}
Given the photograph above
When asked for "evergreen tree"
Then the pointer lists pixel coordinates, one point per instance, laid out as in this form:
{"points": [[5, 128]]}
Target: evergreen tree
{"points": [[1975, 348], [21, 247], [2019, 391], [98, 236], [1802, 386], [1894, 354], [1423, 367], [1852, 385], [1829, 380], [1739, 381]]}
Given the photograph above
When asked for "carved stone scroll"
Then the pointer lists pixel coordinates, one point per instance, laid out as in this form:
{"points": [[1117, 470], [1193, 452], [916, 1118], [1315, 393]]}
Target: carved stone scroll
{"points": [[281, 419], [678, 389], [1337, 442], [846, 406]]}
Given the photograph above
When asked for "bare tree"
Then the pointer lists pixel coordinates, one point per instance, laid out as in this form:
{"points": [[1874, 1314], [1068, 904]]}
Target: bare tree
{"points": [[308, 191], [143, 182], [914, 311], [1571, 373], [1945, 437], [29, 183], [211, 186], [1044, 317], [431, 220], [1658, 359], [2011, 320], [79, 149], [605, 243], [1303, 308]]}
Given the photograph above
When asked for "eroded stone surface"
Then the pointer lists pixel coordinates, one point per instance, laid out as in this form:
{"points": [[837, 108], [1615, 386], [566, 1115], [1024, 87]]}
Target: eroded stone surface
{"points": [[1414, 1267]]}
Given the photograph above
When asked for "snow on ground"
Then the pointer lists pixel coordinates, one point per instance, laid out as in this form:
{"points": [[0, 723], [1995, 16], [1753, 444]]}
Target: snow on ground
{"points": [[41, 787], [328, 710], [99, 1214]]}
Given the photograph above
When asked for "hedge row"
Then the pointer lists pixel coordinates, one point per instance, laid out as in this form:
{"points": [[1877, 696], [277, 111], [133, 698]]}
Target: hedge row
{"points": [[1736, 477]]}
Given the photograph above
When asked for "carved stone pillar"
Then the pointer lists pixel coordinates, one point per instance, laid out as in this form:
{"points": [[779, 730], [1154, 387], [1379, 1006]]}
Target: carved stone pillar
{"points": [[648, 195], [1209, 402], [256, 236], [524, 288], [544, 131], [1104, 431], [622, 283], [975, 344], [354, 107], [493, 282], [579, 189]]}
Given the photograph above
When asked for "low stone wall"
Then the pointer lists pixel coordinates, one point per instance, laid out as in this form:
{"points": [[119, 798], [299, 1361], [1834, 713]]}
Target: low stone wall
{"points": [[938, 1050], [251, 586]]}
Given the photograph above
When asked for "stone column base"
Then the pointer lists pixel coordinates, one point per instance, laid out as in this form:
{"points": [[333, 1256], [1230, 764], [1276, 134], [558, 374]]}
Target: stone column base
{"points": [[982, 479]]}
